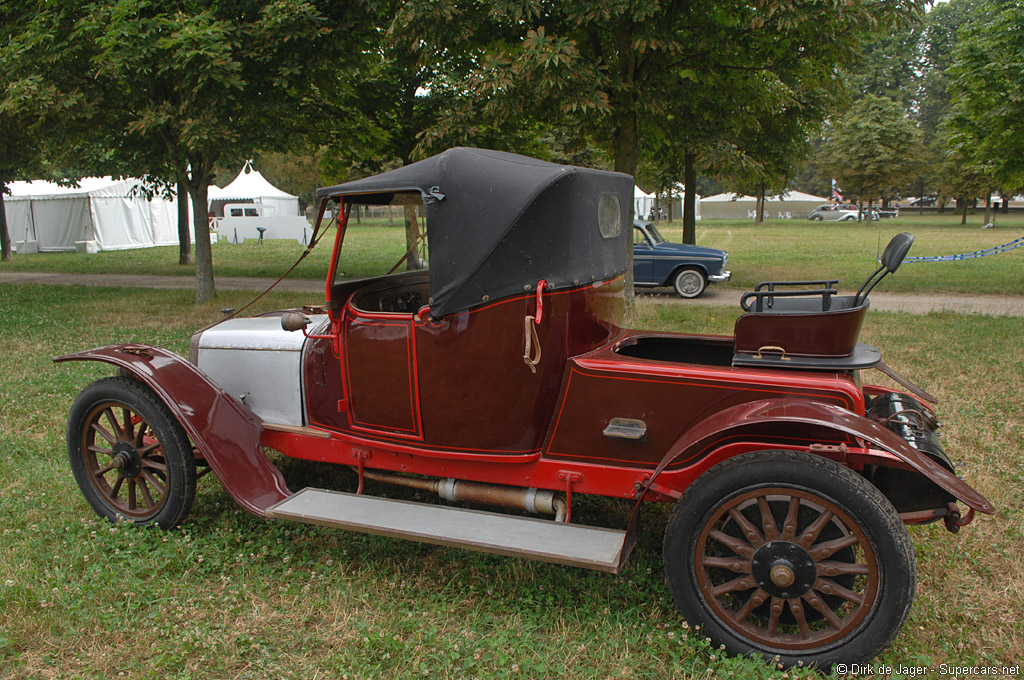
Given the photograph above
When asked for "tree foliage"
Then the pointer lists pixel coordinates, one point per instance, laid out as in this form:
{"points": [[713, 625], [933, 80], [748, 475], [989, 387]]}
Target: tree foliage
{"points": [[987, 89], [891, 64], [19, 148], [659, 78], [874, 149], [939, 40], [181, 85]]}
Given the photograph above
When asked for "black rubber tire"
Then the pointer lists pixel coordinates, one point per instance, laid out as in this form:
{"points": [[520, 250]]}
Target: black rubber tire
{"points": [[817, 218], [871, 627], [157, 458], [689, 282]]}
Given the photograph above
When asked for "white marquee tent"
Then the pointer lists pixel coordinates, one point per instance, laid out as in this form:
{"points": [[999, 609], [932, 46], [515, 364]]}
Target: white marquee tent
{"points": [[730, 206], [100, 214], [796, 204], [251, 187], [727, 206], [253, 208], [643, 202], [676, 197]]}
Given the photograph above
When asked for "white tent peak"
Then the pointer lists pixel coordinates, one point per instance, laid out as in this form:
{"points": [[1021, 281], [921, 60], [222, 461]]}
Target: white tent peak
{"points": [[250, 183], [250, 186]]}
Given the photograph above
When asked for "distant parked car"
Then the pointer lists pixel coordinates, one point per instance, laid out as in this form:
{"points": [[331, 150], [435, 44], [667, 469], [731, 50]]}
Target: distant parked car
{"points": [[839, 213], [833, 213], [924, 201], [888, 214], [688, 269]]}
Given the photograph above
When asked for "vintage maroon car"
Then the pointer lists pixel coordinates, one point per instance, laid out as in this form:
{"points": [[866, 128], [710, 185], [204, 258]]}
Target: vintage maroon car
{"points": [[502, 375]]}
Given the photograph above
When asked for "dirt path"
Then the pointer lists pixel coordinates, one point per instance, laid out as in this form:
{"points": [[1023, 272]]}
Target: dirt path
{"points": [[914, 303]]}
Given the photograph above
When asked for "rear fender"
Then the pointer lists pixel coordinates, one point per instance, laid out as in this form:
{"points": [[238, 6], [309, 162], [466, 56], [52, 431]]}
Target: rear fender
{"points": [[226, 433], [803, 420]]}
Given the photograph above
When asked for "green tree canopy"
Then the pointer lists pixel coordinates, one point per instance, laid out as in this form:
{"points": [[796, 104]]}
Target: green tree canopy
{"points": [[874, 149], [665, 78], [987, 88], [197, 81]]}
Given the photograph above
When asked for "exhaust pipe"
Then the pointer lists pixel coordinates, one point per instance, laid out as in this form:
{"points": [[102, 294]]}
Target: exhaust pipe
{"points": [[536, 501]]}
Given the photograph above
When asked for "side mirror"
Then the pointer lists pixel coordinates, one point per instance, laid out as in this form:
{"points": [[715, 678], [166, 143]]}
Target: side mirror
{"points": [[294, 321]]}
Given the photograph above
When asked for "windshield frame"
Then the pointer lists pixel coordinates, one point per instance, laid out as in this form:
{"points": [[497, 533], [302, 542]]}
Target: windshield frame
{"points": [[655, 235]]}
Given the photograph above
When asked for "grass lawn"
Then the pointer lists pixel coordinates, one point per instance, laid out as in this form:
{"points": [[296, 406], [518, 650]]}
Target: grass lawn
{"points": [[848, 251], [228, 595], [780, 250]]}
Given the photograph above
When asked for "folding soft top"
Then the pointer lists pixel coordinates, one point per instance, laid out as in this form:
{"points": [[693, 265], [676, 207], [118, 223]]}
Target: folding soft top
{"points": [[498, 223]]}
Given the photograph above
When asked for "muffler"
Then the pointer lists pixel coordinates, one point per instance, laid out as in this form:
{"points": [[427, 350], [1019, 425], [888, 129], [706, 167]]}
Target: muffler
{"points": [[536, 501]]}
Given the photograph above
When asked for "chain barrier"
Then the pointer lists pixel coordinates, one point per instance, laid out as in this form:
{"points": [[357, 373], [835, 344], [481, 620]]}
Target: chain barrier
{"points": [[1012, 245]]}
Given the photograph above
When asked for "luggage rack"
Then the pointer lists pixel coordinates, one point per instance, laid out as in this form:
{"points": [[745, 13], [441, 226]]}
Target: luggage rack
{"points": [[812, 327]]}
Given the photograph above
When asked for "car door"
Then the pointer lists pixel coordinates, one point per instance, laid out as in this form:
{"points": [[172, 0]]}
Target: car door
{"points": [[643, 258], [380, 372]]}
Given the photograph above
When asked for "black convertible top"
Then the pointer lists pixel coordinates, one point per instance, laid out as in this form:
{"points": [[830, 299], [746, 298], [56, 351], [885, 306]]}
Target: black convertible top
{"points": [[497, 223]]}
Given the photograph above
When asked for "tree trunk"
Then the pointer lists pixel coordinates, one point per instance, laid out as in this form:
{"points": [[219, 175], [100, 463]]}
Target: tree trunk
{"points": [[626, 146], [184, 233], [198, 186], [871, 211], [689, 198], [5, 236], [988, 208], [412, 234], [963, 214], [759, 206]]}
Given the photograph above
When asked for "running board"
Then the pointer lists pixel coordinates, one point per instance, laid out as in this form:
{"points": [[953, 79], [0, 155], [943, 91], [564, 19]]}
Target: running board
{"points": [[543, 540]]}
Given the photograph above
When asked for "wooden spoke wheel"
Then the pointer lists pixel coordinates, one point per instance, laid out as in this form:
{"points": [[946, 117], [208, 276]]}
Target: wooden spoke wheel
{"points": [[129, 455], [790, 555]]}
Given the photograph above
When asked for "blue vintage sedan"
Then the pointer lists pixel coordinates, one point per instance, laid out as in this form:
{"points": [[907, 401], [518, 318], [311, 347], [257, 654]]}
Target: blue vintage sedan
{"points": [[688, 269]]}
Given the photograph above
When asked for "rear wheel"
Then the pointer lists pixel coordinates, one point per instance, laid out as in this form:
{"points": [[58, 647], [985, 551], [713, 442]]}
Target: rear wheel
{"points": [[816, 218], [689, 283], [790, 555], [129, 455]]}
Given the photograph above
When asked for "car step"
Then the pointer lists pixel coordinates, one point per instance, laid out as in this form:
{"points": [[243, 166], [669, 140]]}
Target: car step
{"points": [[543, 540]]}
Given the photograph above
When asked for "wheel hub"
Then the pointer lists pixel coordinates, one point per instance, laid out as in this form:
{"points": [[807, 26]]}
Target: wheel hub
{"points": [[126, 460], [783, 569]]}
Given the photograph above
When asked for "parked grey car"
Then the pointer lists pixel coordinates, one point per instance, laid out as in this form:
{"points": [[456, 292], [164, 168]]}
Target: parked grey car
{"points": [[838, 213], [833, 213]]}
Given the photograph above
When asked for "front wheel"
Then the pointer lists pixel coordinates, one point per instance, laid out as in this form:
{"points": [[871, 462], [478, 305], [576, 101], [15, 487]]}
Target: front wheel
{"points": [[689, 283], [129, 455], [790, 555]]}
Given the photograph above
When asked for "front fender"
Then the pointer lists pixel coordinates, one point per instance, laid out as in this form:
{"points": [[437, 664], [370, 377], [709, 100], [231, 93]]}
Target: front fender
{"points": [[802, 417], [226, 433]]}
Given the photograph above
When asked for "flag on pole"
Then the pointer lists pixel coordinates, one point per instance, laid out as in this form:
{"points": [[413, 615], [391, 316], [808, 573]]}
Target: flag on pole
{"points": [[836, 191]]}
